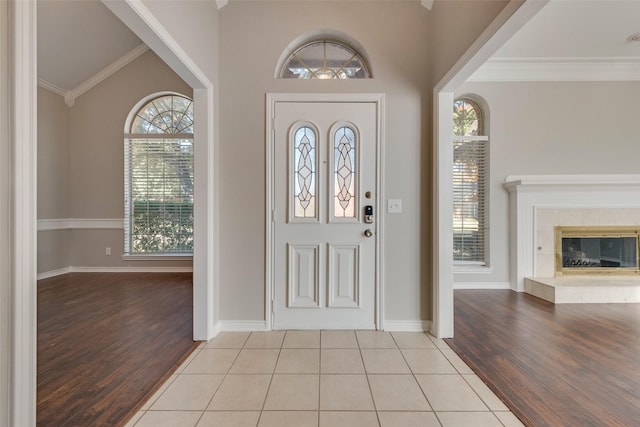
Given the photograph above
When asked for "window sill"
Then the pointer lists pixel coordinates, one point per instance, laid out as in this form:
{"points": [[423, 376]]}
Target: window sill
{"points": [[157, 257], [471, 269]]}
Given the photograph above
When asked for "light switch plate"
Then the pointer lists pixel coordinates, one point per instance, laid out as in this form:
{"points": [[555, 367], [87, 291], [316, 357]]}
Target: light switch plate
{"points": [[394, 205]]}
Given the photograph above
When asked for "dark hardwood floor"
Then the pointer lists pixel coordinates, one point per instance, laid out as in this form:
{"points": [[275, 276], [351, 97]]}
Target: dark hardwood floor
{"points": [[106, 341], [553, 365]]}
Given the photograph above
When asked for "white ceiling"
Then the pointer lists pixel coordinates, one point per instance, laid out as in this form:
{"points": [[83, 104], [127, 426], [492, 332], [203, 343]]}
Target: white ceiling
{"points": [[578, 29], [566, 40], [571, 40], [77, 39]]}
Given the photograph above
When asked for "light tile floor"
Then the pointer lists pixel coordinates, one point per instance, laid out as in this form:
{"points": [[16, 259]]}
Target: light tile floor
{"points": [[323, 379]]}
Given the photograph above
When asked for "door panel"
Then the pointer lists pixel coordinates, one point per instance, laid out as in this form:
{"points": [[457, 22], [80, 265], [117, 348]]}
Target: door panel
{"points": [[303, 279], [324, 262], [344, 283]]}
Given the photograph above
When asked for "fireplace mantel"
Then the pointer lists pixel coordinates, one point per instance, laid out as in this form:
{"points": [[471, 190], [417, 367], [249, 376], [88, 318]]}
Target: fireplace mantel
{"points": [[551, 182], [531, 194]]}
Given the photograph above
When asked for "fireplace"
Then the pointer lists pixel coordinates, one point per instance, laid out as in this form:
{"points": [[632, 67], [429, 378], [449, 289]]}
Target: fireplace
{"points": [[596, 250]]}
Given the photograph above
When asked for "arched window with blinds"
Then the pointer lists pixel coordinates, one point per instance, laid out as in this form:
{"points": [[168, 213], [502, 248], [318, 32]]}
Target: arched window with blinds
{"points": [[470, 190], [158, 176]]}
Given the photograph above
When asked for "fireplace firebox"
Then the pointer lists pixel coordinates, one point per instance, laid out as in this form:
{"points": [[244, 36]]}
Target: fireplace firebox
{"points": [[596, 250]]}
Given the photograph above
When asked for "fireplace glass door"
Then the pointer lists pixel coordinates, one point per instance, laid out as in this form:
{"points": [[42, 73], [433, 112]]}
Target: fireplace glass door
{"points": [[585, 250]]}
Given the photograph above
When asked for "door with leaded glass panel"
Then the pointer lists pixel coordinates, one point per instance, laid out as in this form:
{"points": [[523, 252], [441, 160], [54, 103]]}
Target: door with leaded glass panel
{"points": [[324, 215]]}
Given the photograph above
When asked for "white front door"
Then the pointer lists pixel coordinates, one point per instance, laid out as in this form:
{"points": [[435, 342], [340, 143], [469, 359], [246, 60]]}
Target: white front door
{"points": [[325, 215]]}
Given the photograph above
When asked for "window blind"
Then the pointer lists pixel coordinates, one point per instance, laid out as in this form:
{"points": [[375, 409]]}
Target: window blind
{"points": [[470, 230], [159, 195]]}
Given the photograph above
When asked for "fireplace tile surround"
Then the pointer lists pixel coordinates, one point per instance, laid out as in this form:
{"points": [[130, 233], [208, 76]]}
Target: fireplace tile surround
{"points": [[539, 203]]}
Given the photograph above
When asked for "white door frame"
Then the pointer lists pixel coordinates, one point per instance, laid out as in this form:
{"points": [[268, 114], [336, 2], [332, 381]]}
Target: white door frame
{"points": [[272, 99], [139, 19], [511, 19], [18, 327]]}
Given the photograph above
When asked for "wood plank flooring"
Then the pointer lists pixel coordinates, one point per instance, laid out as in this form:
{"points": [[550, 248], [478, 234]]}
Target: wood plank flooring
{"points": [[106, 341], [553, 365]]}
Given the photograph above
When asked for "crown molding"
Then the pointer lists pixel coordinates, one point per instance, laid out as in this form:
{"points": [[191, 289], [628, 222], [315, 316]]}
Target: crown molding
{"points": [[51, 87], [427, 4], [558, 69], [106, 72], [70, 96]]}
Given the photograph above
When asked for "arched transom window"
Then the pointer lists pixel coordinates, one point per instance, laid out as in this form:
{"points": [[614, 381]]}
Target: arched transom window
{"points": [[470, 190], [325, 59], [159, 177]]}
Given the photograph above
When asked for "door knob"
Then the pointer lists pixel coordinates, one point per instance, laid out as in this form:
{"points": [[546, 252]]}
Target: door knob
{"points": [[368, 233]]}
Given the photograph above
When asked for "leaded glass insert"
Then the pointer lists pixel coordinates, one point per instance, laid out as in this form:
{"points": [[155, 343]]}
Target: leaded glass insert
{"points": [[344, 142], [304, 171]]}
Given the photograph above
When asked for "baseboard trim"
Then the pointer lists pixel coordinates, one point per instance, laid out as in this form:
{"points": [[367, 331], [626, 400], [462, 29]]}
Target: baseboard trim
{"points": [[259, 325], [71, 269], [481, 285], [407, 325], [241, 326], [53, 273], [131, 269]]}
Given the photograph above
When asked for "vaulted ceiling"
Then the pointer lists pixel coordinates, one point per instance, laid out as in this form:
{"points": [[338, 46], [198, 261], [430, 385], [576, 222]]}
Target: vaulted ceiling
{"points": [[80, 42], [78, 39]]}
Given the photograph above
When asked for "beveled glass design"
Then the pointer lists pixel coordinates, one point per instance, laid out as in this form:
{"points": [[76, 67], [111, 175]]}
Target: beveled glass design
{"points": [[304, 173], [344, 143], [325, 59]]}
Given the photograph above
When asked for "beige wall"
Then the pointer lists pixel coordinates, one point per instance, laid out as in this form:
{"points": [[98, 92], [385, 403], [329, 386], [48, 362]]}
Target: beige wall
{"points": [[53, 179], [53, 156], [405, 43], [199, 38], [455, 25], [552, 128], [410, 48], [80, 165], [96, 134], [97, 154], [252, 38]]}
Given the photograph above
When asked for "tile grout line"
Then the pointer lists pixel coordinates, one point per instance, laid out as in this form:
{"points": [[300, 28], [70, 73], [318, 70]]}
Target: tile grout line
{"points": [[264, 402], [223, 378], [366, 375], [469, 384], [320, 374], [416, 379], [165, 386], [214, 393], [466, 382]]}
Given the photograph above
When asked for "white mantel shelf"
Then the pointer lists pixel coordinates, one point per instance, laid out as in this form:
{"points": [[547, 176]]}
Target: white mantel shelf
{"points": [[529, 194], [513, 182]]}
